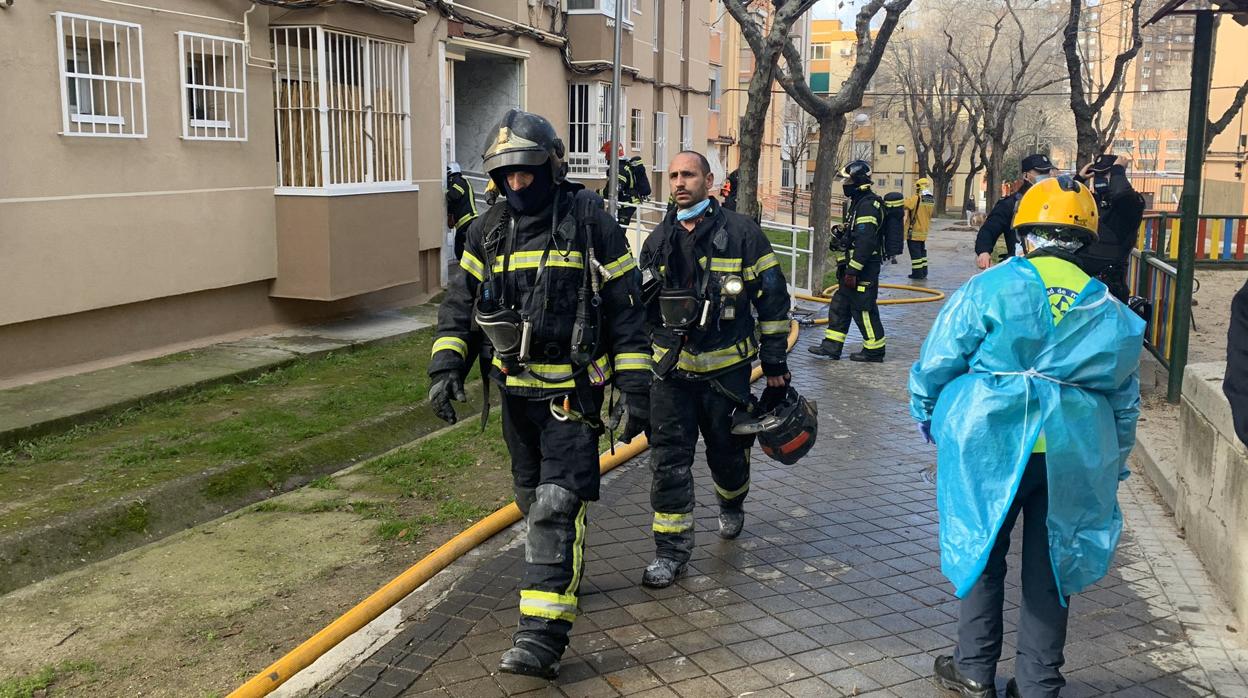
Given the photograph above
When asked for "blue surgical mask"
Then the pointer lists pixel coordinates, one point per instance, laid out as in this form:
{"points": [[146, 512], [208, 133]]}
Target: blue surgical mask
{"points": [[693, 211]]}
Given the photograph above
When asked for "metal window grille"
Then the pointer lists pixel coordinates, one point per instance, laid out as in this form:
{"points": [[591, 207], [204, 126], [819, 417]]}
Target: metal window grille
{"points": [[660, 141], [635, 133], [686, 133], [589, 126], [101, 72], [214, 87], [342, 110]]}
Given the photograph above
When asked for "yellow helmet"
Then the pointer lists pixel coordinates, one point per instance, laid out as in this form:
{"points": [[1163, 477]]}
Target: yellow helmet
{"points": [[922, 183], [1058, 207]]}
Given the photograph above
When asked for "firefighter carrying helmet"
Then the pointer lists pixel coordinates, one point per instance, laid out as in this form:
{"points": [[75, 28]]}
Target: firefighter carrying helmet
{"points": [[786, 431], [522, 138]]}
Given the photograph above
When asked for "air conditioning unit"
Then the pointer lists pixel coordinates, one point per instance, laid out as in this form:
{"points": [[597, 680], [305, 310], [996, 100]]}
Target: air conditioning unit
{"points": [[847, 52]]}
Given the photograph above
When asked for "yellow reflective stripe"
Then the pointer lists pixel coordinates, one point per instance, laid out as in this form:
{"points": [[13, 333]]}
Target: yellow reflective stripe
{"points": [[532, 259], [862, 288], [709, 361], [560, 375], [457, 188], [726, 264], [472, 265], [730, 495], [465, 218], [873, 343], [545, 604], [454, 344], [894, 204], [578, 553], [855, 264], [631, 361], [761, 265], [773, 326], [834, 336], [672, 523], [866, 219], [620, 266]]}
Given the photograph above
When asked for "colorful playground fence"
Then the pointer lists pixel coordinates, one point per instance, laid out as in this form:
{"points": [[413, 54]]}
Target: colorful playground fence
{"points": [[1218, 238], [1155, 280]]}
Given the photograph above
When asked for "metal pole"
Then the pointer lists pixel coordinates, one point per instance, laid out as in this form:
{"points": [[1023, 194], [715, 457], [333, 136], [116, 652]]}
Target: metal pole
{"points": [[613, 169], [1197, 115]]}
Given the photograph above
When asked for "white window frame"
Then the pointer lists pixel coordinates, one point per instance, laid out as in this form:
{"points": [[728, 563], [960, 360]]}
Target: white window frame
{"points": [[589, 127], [684, 30], [660, 141], [74, 121], [788, 174], [636, 135], [819, 52], [715, 95], [334, 117], [686, 132], [658, 21], [232, 95]]}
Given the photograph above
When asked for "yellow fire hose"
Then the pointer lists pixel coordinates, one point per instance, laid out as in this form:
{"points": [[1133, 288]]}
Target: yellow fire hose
{"points": [[364, 612], [394, 591]]}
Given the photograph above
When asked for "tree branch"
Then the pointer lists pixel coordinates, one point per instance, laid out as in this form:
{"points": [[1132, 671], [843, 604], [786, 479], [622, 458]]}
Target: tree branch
{"points": [[1214, 128]]}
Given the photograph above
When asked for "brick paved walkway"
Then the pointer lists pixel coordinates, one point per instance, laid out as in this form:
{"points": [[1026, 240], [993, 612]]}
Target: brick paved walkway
{"points": [[835, 587]]}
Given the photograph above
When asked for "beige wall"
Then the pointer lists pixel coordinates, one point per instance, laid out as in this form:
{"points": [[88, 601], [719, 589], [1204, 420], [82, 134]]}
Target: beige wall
{"points": [[80, 225]]}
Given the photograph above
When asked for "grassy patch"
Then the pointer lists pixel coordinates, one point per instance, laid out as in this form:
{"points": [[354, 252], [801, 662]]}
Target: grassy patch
{"points": [[300, 407], [37, 683]]}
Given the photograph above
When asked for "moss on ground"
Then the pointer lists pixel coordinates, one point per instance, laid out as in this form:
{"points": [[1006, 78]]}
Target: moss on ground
{"points": [[38, 683], [331, 409]]}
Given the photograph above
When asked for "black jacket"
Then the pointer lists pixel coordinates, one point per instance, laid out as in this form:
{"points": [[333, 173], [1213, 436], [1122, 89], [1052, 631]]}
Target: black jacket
{"points": [[864, 219], [1235, 384], [1121, 213], [724, 244], [461, 205], [551, 301], [1000, 222]]}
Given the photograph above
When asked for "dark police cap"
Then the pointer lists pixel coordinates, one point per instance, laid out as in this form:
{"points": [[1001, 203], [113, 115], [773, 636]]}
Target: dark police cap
{"points": [[1036, 162]]}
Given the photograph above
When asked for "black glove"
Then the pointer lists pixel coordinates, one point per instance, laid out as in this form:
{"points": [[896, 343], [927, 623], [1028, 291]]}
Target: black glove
{"points": [[771, 370], [446, 386], [637, 406], [849, 281]]}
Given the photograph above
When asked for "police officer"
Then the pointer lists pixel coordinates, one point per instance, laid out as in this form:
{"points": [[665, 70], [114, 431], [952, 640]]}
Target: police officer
{"points": [[461, 205], [857, 249], [1121, 211], [709, 267], [919, 209], [1035, 168], [549, 279], [1028, 383]]}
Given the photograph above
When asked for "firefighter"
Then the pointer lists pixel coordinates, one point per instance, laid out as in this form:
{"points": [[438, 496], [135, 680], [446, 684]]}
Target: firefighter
{"points": [[856, 245], [549, 279], [1035, 168], [709, 266], [625, 177], [461, 206], [728, 192], [919, 208]]}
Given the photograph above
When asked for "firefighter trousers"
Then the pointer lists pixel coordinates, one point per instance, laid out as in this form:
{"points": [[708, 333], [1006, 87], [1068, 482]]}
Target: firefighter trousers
{"points": [[680, 408], [554, 469], [918, 258], [860, 306]]}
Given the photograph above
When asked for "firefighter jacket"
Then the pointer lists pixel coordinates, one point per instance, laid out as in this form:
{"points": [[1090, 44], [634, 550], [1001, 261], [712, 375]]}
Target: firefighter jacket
{"points": [[538, 269], [723, 245], [860, 242], [920, 210], [461, 205]]}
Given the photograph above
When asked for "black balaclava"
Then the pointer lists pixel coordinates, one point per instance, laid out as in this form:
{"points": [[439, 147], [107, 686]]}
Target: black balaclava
{"points": [[535, 197]]}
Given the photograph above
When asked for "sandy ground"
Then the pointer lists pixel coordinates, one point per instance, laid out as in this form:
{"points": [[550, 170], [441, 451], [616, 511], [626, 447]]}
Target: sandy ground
{"points": [[1212, 312]]}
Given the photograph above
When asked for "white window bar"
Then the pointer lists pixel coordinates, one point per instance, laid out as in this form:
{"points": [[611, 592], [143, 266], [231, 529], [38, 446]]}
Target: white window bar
{"points": [[580, 156], [686, 133], [635, 132], [660, 141], [343, 111], [101, 76], [214, 87]]}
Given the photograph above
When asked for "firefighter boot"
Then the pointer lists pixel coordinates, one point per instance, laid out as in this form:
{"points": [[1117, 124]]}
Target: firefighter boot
{"points": [[868, 356], [530, 658], [730, 523], [827, 349], [662, 572]]}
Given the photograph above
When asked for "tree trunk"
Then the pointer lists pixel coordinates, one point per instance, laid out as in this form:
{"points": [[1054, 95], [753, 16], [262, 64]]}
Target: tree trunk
{"points": [[830, 131], [968, 189], [996, 163], [753, 125], [1087, 140], [940, 190]]}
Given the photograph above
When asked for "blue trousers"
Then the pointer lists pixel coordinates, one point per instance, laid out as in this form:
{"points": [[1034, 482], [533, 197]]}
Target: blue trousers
{"points": [[1042, 617]]}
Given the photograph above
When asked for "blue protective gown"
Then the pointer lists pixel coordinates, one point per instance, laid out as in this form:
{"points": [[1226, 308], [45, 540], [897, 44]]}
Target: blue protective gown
{"points": [[993, 372]]}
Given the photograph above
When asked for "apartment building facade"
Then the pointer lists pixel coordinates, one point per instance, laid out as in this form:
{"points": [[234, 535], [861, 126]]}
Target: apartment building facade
{"points": [[190, 170]]}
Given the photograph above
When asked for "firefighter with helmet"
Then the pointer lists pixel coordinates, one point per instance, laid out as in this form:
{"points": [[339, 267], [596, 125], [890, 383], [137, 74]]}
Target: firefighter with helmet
{"points": [[856, 245], [919, 209], [711, 270], [1028, 384], [461, 205], [549, 279]]}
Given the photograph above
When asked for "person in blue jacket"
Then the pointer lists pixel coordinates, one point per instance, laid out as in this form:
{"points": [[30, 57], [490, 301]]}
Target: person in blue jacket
{"points": [[1029, 385]]}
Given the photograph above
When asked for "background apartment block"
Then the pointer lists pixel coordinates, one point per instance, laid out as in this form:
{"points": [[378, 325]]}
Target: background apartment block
{"points": [[182, 170]]}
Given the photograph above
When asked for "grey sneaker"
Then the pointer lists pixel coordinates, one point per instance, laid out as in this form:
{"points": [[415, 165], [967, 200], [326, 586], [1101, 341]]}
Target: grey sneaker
{"points": [[662, 572], [730, 523]]}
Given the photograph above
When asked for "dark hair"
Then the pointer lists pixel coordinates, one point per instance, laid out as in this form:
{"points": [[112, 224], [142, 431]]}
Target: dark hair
{"points": [[702, 161]]}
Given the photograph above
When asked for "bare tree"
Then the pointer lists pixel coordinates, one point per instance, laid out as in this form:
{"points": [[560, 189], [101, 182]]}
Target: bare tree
{"points": [[766, 43], [1214, 128], [978, 155], [1088, 98], [1016, 64], [830, 112], [933, 109], [799, 130]]}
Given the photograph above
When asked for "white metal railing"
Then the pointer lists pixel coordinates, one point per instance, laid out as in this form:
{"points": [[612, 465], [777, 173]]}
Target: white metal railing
{"points": [[214, 87], [101, 71], [342, 105]]}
